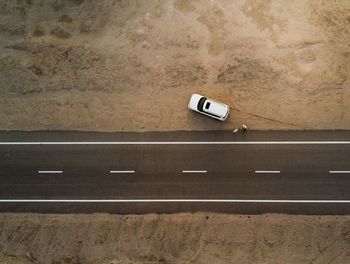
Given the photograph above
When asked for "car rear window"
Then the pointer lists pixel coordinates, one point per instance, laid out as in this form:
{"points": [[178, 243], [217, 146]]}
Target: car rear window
{"points": [[207, 105]]}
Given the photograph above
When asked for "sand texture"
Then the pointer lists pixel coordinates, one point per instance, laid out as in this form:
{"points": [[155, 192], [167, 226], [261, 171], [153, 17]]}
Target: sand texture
{"points": [[132, 65], [179, 238]]}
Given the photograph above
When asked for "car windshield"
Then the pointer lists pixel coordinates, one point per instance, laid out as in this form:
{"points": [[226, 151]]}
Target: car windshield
{"points": [[201, 103]]}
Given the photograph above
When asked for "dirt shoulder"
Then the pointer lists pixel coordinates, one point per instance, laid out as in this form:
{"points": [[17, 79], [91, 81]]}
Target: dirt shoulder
{"points": [[181, 238], [132, 65]]}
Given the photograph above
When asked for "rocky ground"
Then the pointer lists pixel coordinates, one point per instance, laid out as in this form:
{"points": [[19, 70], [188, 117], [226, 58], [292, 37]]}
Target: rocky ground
{"points": [[126, 65], [182, 238]]}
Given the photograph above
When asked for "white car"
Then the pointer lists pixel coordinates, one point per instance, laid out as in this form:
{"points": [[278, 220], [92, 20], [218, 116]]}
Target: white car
{"points": [[209, 107]]}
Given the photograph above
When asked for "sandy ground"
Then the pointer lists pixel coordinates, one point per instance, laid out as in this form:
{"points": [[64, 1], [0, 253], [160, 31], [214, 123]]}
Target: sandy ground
{"points": [[132, 65], [183, 238]]}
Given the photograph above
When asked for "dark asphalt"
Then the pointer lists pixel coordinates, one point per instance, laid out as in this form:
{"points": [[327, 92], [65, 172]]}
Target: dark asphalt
{"points": [[304, 172]]}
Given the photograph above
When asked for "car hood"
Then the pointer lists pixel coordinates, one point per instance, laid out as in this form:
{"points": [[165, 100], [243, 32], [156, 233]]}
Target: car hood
{"points": [[193, 103]]}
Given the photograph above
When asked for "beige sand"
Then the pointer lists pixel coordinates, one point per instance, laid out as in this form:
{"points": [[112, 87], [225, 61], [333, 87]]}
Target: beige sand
{"points": [[182, 238], [132, 65]]}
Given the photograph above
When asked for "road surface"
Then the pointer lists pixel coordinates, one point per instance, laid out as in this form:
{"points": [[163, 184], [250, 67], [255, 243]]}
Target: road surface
{"points": [[252, 172]]}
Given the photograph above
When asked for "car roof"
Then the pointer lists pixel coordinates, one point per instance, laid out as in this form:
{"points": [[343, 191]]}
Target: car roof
{"points": [[215, 107]]}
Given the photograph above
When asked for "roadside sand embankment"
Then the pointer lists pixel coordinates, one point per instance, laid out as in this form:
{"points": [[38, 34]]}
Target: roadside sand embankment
{"points": [[180, 238]]}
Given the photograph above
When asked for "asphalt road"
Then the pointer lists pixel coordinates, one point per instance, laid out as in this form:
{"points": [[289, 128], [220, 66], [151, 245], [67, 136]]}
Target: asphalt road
{"points": [[254, 172]]}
